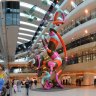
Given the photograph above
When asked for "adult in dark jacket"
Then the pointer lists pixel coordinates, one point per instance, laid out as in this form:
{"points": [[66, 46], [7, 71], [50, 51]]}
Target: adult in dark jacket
{"points": [[35, 82], [8, 88], [31, 84], [27, 85]]}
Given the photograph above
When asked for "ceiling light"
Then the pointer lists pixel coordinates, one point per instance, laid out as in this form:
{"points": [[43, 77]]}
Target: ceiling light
{"points": [[25, 29], [86, 31], [72, 38], [73, 4], [86, 11]]}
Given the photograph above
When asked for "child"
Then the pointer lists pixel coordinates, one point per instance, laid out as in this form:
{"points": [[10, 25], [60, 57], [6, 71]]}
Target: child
{"points": [[15, 88]]}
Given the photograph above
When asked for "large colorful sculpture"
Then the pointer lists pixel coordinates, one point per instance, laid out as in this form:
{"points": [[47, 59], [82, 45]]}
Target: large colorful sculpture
{"points": [[56, 21], [56, 62], [52, 68]]}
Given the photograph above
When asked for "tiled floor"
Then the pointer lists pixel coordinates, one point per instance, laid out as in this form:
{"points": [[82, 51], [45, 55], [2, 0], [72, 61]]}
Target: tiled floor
{"points": [[67, 91]]}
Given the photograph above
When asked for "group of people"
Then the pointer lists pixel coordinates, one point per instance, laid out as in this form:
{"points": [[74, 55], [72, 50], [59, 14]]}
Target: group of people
{"points": [[17, 85], [79, 82], [28, 84], [6, 89], [66, 82]]}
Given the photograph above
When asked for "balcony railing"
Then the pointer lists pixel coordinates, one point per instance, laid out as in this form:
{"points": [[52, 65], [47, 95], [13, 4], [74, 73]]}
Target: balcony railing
{"points": [[77, 22], [81, 41]]}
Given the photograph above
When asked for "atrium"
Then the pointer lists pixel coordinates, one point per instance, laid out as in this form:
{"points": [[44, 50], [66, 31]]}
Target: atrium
{"points": [[47, 47]]}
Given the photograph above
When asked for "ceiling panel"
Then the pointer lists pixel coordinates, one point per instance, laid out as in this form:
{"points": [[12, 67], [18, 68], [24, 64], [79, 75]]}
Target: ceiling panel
{"points": [[24, 17]]}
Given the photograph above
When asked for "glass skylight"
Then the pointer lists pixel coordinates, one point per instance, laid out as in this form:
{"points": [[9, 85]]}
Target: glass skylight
{"points": [[23, 39], [24, 34], [27, 5], [27, 16], [29, 24], [25, 29], [19, 42]]}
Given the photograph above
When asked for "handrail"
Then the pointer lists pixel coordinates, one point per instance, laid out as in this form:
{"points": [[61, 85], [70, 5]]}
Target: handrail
{"points": [[79, 21]]}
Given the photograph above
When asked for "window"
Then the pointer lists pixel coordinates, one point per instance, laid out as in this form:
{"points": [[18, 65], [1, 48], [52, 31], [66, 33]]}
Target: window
{"points": [[12, 12]]}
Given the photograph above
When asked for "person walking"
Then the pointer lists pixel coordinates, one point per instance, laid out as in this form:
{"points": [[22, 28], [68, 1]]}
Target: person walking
{"points": [[8, 88], [27, 85], [35, 83], [15, 88], [94, 82], [19, 85], [12, 82], [31, 84]]}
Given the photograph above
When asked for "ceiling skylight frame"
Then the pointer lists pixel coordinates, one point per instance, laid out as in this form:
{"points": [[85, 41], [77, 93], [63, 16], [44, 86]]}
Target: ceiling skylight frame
{"points": [[24, 39], [29, 6], [18, 42], [25, 34], [29, 16], [29, 24], [28, 30]]}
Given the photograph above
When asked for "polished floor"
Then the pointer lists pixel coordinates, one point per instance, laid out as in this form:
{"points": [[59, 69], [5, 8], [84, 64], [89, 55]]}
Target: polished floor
{"points": [[67, 91]]}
